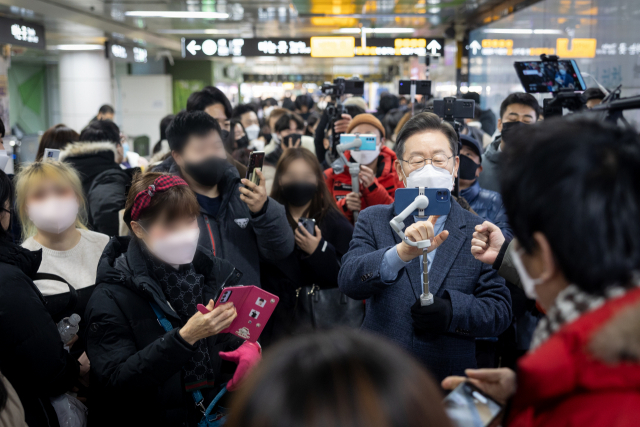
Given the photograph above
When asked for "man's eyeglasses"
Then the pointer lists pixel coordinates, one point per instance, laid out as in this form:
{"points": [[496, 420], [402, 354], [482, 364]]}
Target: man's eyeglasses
{"points": [[418, 162]]}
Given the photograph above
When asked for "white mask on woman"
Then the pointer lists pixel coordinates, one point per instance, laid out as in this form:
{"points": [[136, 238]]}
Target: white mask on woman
{"points": [[528, 283], [177, 248], [252, 132], [54, 214], [430, 177], [365, 157]]}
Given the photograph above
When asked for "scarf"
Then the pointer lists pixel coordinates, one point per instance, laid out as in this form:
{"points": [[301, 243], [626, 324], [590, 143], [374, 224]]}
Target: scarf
{"points": [[183, 290], [571, 303]]}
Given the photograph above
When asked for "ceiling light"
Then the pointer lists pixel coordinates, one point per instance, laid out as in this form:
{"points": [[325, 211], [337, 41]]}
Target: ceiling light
{"points": [[176, 14], [76, 47], [374, 30], [520, 31], [347, 31], [197, 31]]}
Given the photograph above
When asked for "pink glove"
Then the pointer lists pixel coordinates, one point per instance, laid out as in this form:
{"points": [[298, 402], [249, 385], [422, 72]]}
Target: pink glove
{"points": [[246, 356]]}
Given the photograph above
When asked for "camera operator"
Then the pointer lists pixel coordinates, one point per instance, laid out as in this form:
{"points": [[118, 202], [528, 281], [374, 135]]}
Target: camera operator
{"points": [[574, 207], [470, 299], [516, 109], [378, 177]]}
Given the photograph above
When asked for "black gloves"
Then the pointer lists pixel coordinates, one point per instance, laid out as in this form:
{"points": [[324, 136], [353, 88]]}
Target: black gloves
{"points": [[432, 318]]}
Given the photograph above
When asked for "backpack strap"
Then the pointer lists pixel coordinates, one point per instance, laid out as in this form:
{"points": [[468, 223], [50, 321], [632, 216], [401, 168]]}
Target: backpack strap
{"points": [[73, 294]]}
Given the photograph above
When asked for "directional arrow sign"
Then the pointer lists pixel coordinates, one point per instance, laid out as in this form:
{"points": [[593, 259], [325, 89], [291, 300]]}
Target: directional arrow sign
{"points": [[193, 47], [475, 46], [434, 47]]}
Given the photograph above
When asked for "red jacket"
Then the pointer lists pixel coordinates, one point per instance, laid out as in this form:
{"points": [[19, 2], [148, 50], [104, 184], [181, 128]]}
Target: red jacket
{"points": [[565, 381], [381, 192]]}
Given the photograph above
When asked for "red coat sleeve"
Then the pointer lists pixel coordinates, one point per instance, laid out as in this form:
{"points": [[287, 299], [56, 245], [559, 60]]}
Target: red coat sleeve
{"points": [[376, 194]]}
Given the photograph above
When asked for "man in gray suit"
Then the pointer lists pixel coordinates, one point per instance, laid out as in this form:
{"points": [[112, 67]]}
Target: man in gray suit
{"points": [[471, 300]]}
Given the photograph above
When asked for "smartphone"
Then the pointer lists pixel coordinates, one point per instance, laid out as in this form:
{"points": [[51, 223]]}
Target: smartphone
{"points": [[549, 76], [454, 108], [439, 201], [309, 224], [51, 153], [256, 160], [369, 141], [467, 405], [292, 140], [254, 307], [202, 309], [423, 87]]}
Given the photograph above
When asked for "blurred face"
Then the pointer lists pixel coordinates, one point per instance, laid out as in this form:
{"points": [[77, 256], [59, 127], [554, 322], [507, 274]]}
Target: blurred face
{"points": [[238, 131], [51, 205], [46, 189], [150, 233], [298, 171], [5, 215], [272, 123], [105, 116], [518, 113], [217, 112], [249, 118], [466, 151], [293, 128], [200, 147], [426, 145]]}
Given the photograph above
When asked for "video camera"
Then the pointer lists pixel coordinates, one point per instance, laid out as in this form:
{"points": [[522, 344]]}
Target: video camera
{"points": [[342, 86]]}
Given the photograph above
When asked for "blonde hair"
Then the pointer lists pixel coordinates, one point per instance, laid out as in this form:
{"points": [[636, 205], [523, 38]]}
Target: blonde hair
{"points": [[33, 175]]}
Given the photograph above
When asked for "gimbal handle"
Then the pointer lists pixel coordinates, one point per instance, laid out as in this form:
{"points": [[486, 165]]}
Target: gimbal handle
{"points": [[397, 223]]}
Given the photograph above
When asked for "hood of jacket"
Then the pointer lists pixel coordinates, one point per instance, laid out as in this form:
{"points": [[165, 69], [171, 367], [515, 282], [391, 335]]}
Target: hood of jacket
{"points": [[492, 152], [123, 264], [600, 351], [227, 184], [27, 261], [82, 149]]}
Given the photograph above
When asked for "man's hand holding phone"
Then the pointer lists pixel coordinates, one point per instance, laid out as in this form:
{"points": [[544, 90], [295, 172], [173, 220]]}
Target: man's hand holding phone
{"points": [[205, 325], [420, 230], [498, 383], [254, 195]]}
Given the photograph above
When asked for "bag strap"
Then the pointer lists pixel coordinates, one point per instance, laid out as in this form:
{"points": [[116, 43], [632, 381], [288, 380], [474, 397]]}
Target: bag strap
{"points": [[73, 294]]}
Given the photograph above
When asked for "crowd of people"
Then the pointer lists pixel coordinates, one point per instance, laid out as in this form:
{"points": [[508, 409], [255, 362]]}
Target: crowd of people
{"points": [[534, 269]]}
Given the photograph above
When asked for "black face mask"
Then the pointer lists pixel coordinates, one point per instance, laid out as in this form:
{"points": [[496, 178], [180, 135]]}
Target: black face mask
{"points": [[207, 172], [468, 168], [510, 130], [242, 142], [299, 193]]}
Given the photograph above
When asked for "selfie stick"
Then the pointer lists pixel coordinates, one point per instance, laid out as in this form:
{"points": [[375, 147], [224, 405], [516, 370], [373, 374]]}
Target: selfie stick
{"points": [[413, 95], [354, 168], [397, 223]]}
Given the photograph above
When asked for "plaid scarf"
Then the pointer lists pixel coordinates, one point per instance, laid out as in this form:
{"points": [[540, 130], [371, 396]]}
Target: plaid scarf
{"points": [[183, 290], [570, 304]]}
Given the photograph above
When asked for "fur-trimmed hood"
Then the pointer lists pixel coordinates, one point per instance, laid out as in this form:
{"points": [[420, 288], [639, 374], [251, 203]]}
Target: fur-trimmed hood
{"points": [[79, 149]]}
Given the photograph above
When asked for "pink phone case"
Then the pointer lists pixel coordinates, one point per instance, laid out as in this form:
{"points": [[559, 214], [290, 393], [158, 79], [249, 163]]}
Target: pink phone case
{"points": [[202, 309], [254, 305]]}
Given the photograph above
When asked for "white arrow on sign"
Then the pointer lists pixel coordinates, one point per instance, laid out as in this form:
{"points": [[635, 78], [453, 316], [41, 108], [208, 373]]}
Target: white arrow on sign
{"points": [[192, 47], [475, 46], [434, 47]]}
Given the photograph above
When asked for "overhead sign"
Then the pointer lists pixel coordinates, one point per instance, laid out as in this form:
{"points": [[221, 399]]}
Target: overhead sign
{"points": [[21, 33], [564, 48], [317, 47], [124, 53]]}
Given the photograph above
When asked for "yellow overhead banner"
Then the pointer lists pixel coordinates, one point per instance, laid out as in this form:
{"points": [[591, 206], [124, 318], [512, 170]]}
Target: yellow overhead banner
{"points": [[333, 47], [580, 48]]}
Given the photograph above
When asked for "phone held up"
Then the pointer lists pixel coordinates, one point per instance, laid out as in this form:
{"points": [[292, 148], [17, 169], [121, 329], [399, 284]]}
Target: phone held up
{"points": [[256, 160], [467, 405], [309, 224]]}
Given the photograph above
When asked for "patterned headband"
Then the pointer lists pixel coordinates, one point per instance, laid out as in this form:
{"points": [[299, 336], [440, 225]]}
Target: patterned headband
{"points": [[143, 198]]}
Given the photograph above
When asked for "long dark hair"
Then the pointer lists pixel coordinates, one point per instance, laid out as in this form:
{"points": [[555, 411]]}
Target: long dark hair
{"points": [[322, 202], [346, 378], [56, 137], [6, 193]]}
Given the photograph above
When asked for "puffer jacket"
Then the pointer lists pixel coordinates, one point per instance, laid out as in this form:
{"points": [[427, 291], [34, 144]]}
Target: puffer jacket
{"points": [[586, 374], [136, 367], [489, 179], [488, 205], [381, 192], [238, 235], [32, 356], [104, 182]]}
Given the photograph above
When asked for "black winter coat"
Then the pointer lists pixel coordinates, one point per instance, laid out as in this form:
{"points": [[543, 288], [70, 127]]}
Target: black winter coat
{"points": [[236, 234], [32, 356], [300, 269], [136, 367], [104, 182]]}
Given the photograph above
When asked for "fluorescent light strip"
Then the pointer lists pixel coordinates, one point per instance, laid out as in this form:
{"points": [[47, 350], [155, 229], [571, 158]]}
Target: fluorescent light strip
{"points": [[76, 47], [374, 30], [176, 14], [197, 31], [520, 31]]}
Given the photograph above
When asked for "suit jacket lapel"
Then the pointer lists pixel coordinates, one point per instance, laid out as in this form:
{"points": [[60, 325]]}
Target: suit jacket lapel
{"points": [[448, 251]]}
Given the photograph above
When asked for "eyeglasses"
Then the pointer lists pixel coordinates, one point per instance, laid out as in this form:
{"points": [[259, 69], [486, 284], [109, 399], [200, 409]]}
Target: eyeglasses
{"points": [[418, 162]]}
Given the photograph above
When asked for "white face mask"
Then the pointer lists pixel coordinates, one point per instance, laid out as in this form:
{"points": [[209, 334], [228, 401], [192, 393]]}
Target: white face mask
{"points": [[177, 248], [430, 177], [274, 137], [365, 157], [4, 159], [252, 132], [528, 283], [322, 105], [55, 214]]}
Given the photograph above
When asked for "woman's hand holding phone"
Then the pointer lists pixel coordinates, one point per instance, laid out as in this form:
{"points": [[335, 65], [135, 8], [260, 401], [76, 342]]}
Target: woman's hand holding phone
{"points": [[205, 325], [307, 241]]}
